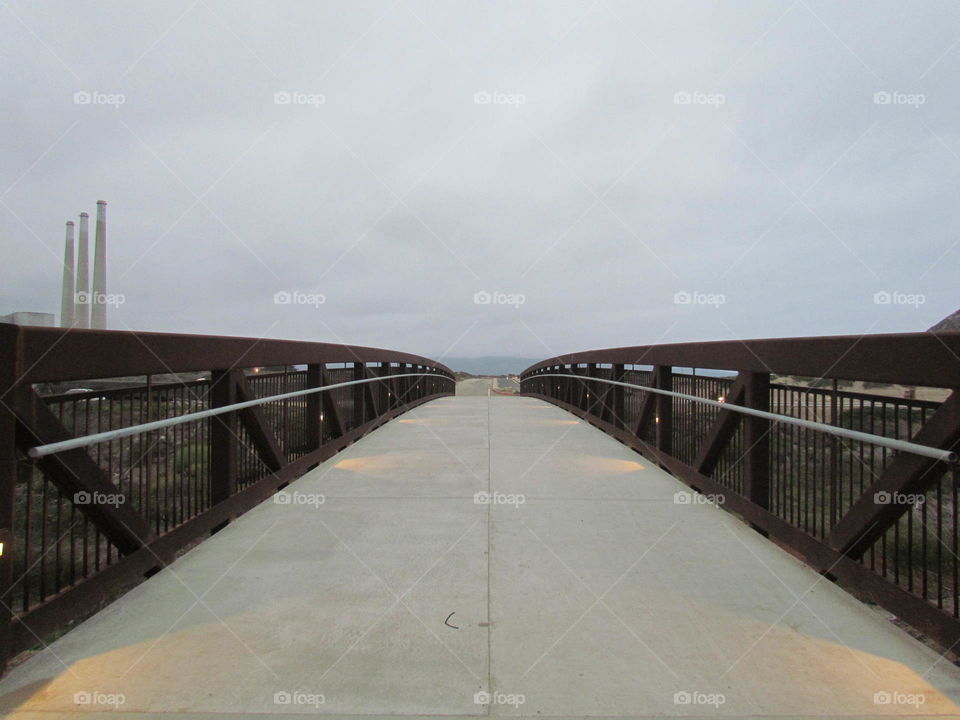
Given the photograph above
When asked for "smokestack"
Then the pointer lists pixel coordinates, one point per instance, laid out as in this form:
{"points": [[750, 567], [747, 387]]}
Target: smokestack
{"points": [[98, 307], [67, 299], [81, 308]]}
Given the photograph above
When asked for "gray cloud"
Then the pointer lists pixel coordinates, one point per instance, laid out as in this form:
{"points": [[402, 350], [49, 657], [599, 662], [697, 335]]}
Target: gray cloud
{"points": [[583, 186]]}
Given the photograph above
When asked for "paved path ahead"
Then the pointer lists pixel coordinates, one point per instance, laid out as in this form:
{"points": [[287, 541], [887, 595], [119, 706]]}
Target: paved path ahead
{"points": [[598, 594], [475, 386]]}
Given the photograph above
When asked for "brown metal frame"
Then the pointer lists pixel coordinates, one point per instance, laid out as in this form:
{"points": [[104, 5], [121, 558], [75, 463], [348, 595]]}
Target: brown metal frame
{"points": [[30, 356], [923, 359]]}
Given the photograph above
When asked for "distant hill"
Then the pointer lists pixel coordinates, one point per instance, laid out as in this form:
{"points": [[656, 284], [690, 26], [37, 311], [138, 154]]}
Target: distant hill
{"points": [[489, 365], [950, 322]]}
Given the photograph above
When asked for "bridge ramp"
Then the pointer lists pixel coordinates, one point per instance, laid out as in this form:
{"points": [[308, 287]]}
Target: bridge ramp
{"points": [[485, 556]]}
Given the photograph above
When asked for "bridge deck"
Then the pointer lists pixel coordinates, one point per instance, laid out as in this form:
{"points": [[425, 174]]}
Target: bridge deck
{"points": [[599, 595]]}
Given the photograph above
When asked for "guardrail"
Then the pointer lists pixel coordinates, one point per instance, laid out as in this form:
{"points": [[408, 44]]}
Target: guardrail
{"points": [[863, 485], [100, 488]]}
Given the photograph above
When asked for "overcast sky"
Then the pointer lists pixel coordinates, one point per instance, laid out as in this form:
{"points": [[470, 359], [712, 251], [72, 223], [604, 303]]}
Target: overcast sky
{"points": [[586, 160]]}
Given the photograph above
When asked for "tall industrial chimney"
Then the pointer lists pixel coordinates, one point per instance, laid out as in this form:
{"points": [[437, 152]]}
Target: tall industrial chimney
{"points": [[81, 308], [98, 306], [67, 299]]}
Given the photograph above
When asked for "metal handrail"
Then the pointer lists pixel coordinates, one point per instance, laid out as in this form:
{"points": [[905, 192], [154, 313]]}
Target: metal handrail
{"points": [[87, 440], [902, 445]]}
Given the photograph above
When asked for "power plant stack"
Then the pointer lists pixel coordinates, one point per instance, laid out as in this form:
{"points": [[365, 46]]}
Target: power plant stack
{"points": [[67, 300], [98, 303], [82, 306]]}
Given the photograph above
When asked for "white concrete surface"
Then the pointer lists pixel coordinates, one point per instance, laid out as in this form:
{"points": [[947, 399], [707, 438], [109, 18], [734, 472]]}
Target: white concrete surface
{"points": [[597, 595], [476, 386]]}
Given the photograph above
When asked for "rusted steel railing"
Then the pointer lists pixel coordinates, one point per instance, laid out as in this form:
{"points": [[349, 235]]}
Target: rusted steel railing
{"points": [[81, 525], [881, 516]]}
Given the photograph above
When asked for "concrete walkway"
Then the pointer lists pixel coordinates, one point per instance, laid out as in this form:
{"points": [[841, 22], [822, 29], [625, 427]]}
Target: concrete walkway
{"points": [[584, 589], [476, 386]]}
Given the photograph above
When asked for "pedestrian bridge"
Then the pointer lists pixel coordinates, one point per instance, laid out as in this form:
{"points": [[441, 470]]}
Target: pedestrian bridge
{"points": [[473, 555]]}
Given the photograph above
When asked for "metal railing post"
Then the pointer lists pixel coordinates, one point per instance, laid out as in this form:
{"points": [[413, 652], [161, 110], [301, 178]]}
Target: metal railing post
{"points": [[378, 390], [617, 374], [835, 455], [584, 387], [593, 397], [756, 440], [386, 370], [223, 436], [663, 380], [359, 412], [403, 384], [395, 385], [314, 407]]}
